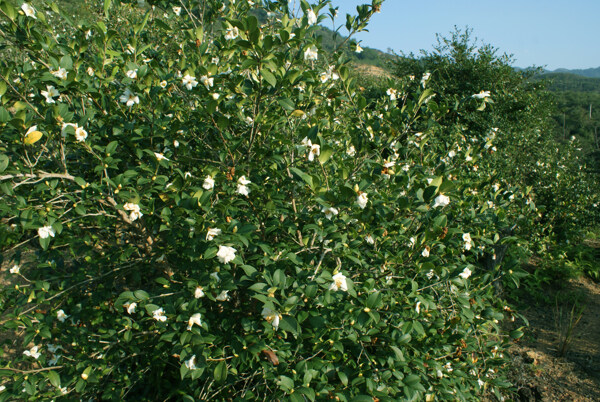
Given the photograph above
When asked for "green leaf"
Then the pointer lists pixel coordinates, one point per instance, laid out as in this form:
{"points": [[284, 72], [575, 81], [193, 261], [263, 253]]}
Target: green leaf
{"points": [[289, 323], [54, 378], [307, 178], [269, 77], [220, 372], [287, 104], [107, 4], [326, 152], [3, 163], [426, 93], [343, 378]]}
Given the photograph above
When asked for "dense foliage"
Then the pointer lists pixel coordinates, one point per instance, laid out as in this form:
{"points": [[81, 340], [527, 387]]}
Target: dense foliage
{"points": [[222, 215]]}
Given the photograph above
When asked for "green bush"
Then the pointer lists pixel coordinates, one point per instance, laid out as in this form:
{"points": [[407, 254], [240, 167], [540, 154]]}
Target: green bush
{"points": [[222, 215]]}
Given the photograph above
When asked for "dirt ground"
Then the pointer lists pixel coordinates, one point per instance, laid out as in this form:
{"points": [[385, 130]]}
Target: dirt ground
{"points": [[538, 370]]}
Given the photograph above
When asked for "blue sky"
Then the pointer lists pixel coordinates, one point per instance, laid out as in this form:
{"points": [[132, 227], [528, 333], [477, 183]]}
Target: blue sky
{"points": [[547, 33]]}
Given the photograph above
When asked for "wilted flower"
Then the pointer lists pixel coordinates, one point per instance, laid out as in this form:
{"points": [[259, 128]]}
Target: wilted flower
{"points": [[329, 212], [191, 363], [271, 316], [80, 134], [209, 183], [312, 17], [129, 98], [33, 352], [212, 232], [232, 33], [194, 319], [15, 269], [189, 82], [60, 73], [311, 53], [159, 315], [90, 71], [339, 283], [134, 209], [50, 93], [226, 254], [130, 307], [46, 231], [223, 296], [362, 200], [441, 201], [369, 239], [215, 276], [28, 10], [199, 292], [465, 273], [418, 307], [425, 252], [61, 316], [177, 10]]}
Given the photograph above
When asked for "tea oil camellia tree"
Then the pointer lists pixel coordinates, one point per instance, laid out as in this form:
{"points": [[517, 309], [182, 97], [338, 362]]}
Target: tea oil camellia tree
{"points": [[197, 203]]}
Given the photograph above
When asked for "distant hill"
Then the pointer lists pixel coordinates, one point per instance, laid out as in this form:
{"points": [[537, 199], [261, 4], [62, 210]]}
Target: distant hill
{"points": [[563, 81], [588, 72]]}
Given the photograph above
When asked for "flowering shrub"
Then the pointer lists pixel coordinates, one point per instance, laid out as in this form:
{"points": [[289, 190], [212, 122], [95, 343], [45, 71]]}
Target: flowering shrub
{"points": [[223, 215]]}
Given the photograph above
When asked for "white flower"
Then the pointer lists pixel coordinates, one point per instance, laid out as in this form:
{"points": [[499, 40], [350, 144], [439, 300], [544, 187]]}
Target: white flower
{"points": [[132, 74], [441, 201], [351, 151], [480, 382], [312, 17], [209, 183], [90, 71], [271, 316], [46, 231], [60, 73], [242, 187], [2, 388], [177, 10], [215, 276], [430, 274], [339, 283], [176, 144], [311, 53], [159, 315], [28, 10], [329, 212], [50, 93], [425, 252], [223, 296], [465, 273], [232, 33], [208, 82], [215, 96], [189, 81], [358, 49], [306, 142], [448, 367], [33, 352], [61, 316], [88, 34], [64, 391], [393, 94], [212, 232], [160, 156], [482, 95], [467, 237], [226, 254], [315, 149], [451, 154], [134, 209], [15, 269], [191, 363], [425, 78], [130, 307], [199, 292], [362, 200], [369, 239], [129, 98], [194, 319], [80, 134], [418, 307]]}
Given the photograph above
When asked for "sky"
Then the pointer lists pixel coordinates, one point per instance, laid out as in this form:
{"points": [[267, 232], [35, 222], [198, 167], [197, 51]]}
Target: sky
{"points": [[546, 33]]}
